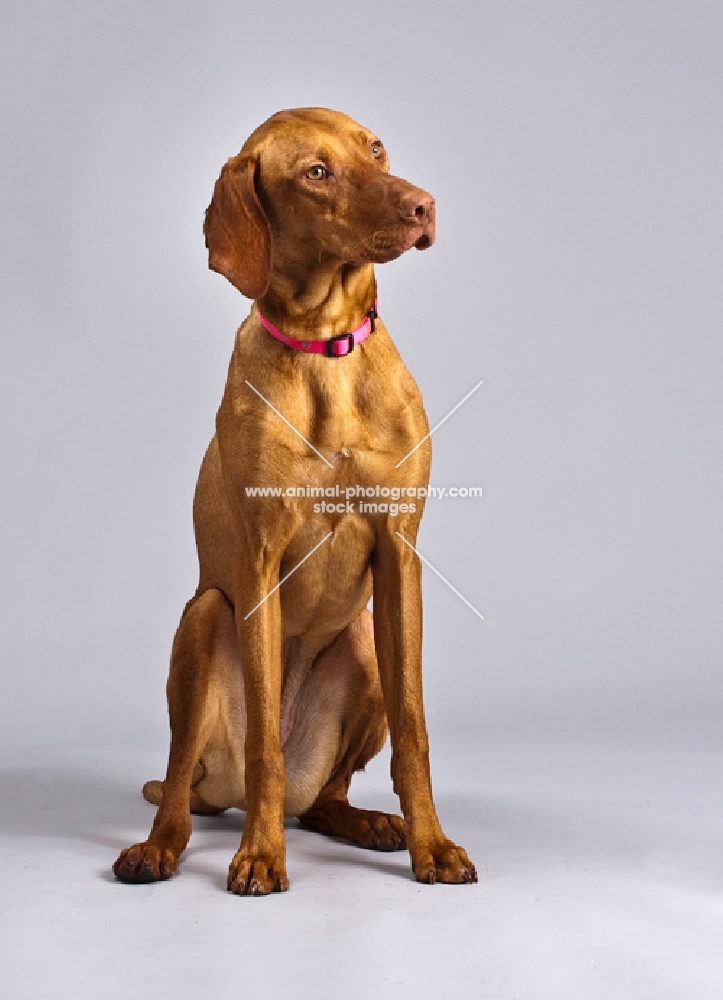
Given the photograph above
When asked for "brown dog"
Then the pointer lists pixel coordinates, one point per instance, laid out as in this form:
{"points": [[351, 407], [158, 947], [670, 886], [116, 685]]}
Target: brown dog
{"points": [[277, 695]]}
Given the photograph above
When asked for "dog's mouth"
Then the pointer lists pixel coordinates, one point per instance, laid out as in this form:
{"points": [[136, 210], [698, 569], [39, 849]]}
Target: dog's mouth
{"points": [[420, 240], [386, 245], [424, 239]]}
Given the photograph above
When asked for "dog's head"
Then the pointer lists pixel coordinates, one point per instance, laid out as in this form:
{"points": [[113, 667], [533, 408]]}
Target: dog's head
{"points": [[311, 185]]}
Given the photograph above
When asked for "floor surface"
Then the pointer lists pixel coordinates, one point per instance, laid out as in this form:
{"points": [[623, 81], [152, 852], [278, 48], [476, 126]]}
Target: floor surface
{"points": [[601, 878]]}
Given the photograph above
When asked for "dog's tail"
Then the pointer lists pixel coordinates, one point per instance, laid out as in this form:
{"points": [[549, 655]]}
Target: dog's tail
{"points": [[153, 792]]}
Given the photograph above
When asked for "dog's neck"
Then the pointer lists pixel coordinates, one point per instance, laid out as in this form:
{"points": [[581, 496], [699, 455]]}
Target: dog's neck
{"points": [[321, 302]]}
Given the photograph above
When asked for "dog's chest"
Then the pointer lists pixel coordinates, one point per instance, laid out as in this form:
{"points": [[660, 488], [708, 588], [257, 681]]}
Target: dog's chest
{"points": [[354, 452], [332, 424]]}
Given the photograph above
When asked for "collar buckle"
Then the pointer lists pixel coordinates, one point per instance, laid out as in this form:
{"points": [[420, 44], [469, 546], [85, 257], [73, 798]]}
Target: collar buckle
{"points": [[329, 345]]}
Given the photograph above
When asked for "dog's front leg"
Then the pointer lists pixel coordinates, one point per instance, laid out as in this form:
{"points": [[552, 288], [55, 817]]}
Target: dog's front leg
{"points": [[259, 865], [398, 639]]}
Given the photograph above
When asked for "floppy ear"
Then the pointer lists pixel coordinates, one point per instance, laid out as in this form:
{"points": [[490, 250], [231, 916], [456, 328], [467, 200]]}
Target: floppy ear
{"points": [[238, 235]]}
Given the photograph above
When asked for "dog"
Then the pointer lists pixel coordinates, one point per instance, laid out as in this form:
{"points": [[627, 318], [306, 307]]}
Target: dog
{"points": [[282, 683]]}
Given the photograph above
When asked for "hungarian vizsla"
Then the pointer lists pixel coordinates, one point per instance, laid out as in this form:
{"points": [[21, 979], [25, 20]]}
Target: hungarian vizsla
{"points": [[277, 694]]}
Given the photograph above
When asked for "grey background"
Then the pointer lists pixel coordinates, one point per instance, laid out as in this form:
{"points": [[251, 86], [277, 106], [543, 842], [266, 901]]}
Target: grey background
{"points": [[575, 150], [575, 153]]}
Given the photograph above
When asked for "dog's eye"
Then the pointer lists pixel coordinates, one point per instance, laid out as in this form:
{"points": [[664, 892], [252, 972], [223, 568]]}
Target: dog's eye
{"points": [[317, 172], [377, 150]]}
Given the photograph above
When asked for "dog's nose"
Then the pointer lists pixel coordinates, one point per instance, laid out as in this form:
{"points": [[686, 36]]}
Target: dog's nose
{"points": [[417, 206]]}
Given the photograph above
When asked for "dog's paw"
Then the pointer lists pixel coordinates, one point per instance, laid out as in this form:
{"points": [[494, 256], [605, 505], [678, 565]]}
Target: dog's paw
{"points": [[370, 828], [381, 831], [256, 874], [145, 863], [443, 862]]}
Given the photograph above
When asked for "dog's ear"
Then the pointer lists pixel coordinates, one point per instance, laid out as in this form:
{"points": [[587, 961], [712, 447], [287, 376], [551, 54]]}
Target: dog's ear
{"points": [[238, 235]]}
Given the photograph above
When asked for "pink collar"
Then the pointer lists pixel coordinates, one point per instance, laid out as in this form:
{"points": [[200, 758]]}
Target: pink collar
{"points": [[334, 347]]}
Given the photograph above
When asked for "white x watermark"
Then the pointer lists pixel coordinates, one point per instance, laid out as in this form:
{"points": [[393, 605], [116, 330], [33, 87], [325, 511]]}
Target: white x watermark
{"points": [[327, 536]]}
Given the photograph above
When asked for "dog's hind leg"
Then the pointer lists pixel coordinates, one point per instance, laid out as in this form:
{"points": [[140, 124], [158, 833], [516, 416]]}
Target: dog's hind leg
{"points": [[333, 814], [206, 634], [363, 728]]}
